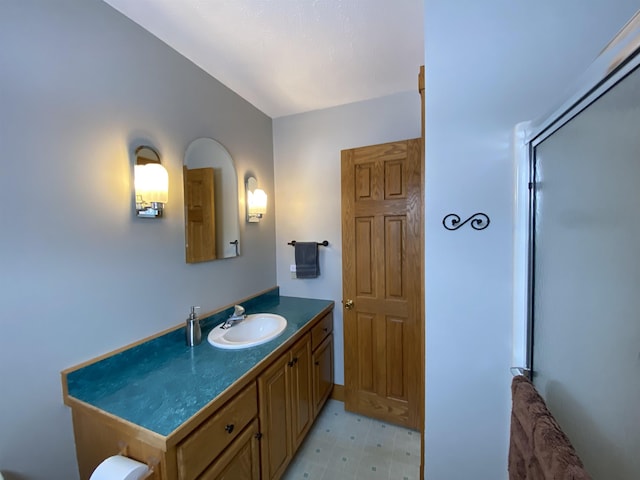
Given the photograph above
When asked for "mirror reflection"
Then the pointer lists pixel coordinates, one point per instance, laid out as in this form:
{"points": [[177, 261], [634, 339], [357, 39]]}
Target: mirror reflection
{"points": [[212, 228]]}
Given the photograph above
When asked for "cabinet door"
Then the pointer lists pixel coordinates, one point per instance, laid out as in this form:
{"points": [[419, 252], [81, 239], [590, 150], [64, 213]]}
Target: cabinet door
{"points": [[275, 424], [301, 396], [322, 374], [241, 460]]}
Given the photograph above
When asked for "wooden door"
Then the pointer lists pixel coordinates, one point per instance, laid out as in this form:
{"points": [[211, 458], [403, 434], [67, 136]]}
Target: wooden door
{"points": [[382, 248], [200, 221]]}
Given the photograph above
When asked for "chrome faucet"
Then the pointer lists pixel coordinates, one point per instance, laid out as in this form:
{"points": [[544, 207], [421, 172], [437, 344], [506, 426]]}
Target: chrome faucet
{"points": [[237, 316]]}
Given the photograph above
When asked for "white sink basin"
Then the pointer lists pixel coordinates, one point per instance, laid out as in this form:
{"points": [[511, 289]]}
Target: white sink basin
{"points": [[254, 330]]}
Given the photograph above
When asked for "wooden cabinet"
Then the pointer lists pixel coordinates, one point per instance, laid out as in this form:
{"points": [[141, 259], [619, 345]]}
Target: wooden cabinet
{"points": [[286, 409], [291, 393], [251, 431], [216, 434]]}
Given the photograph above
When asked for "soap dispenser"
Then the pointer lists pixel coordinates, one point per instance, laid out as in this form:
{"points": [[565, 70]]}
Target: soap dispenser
{"points": [[193, 332]]}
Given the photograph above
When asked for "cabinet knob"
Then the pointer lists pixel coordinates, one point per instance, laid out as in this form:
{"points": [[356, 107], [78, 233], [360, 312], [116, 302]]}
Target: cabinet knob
{"points": [[317, 363], [325, 329], [229, 428]]}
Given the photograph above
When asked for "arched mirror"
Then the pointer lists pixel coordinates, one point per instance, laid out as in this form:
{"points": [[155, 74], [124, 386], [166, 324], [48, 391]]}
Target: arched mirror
{"points": [[211, 202]]}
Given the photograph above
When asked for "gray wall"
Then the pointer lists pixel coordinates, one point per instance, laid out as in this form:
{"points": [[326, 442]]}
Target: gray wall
{"points": [[489, 65], [80, 87], [307, 165]]}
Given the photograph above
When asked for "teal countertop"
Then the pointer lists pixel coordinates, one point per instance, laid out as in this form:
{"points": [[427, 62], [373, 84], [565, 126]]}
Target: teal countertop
{"points": [[161, 383]]}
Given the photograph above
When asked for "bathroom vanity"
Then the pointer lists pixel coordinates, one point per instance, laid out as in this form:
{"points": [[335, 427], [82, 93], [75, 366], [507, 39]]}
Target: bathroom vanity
{"points": [[203, 412]]}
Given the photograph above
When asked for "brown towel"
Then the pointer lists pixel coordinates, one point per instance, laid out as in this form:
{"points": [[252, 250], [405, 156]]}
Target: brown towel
{"points": [[538, 448]]}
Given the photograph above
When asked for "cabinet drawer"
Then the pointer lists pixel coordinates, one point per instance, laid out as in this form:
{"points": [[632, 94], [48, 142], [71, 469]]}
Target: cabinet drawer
{"points": [[241, 461], [200, 448], [321, 330]]}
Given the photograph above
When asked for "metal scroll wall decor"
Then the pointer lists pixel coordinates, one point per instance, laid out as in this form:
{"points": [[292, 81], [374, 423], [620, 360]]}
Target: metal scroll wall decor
{"points": [[479, 221]]}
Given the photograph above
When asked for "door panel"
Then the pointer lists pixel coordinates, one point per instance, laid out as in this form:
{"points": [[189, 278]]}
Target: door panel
{"points": [[382, 230], [395, 234], [364, 334], [363, 181], [395, 338], [394, 181], [365, 271], [200, 214]]}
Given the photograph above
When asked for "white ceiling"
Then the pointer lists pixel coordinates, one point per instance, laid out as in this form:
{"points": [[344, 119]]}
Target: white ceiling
{"points": [[293, 56]]}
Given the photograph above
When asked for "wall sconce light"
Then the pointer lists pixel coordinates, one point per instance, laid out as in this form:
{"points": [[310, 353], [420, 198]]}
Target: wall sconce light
{"points": [[151, 183], [256, 201]]}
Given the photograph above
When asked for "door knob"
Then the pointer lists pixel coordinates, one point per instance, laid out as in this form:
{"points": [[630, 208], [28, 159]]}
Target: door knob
{"points": [[348, 304]]}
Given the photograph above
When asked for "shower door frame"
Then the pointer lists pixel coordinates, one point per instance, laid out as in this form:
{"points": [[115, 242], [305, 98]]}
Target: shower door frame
{"points": [[617, 60]]}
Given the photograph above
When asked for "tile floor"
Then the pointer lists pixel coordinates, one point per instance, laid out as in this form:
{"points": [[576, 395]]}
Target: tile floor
{"points": [[343, 445]]}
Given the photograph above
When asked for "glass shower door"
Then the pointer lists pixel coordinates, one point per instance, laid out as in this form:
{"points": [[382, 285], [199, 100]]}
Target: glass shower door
{"points": [[586, 280]]}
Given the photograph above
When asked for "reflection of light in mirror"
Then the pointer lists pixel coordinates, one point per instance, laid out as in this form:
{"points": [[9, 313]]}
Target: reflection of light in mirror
{"points": [[151, 183]]}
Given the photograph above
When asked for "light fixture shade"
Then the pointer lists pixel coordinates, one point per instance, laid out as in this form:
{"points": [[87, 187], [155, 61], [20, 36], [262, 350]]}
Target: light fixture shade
{"points": [[151, 183], [257, 202]]}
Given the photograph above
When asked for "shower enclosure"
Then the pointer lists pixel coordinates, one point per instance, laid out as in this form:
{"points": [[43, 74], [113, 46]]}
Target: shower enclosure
{"points": [[584, 262]]}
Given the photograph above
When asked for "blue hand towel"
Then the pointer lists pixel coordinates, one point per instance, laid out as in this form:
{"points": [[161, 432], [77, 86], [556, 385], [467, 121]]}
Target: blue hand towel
{"points": [[307, 264]]}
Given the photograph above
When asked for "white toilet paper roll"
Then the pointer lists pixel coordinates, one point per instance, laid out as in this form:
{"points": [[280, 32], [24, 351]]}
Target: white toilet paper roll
{"points": [[119, 467]]}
